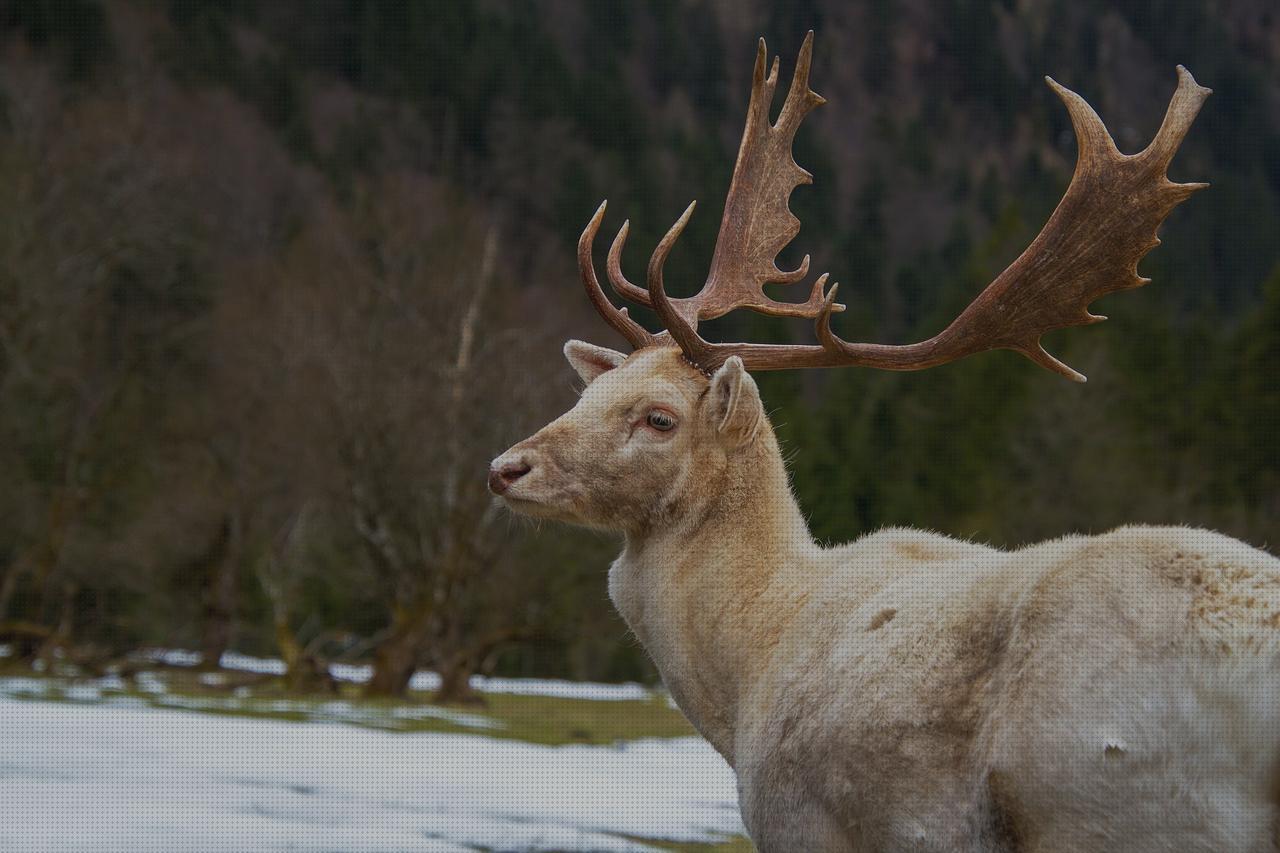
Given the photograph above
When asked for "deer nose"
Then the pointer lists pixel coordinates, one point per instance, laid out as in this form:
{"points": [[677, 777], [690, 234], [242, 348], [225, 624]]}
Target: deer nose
{"points": [[501, 476]]}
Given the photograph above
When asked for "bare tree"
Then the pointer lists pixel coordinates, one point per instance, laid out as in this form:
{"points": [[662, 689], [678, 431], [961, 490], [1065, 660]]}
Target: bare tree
{"points": [[358, 381], [416, 359]]}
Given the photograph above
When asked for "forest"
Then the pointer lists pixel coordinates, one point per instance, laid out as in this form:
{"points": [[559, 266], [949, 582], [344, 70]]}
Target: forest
{"points": [[278, 279]]}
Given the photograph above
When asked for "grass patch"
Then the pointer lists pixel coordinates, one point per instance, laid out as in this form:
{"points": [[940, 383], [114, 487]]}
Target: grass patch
{"points": [[547, 720], [736, 844], [553, 720]]}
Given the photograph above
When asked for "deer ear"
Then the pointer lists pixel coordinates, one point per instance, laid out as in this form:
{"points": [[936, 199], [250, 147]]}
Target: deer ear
{"points": [[590, 360], [736, 410]]}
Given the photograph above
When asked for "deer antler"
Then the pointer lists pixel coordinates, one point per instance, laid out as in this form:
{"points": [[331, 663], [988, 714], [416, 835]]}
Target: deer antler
{"points": [[757, 222], [1091, 245], [635, 334]]}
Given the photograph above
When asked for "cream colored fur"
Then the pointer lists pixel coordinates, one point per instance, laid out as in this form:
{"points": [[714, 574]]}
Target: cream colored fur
{"points": [[908, 691]]}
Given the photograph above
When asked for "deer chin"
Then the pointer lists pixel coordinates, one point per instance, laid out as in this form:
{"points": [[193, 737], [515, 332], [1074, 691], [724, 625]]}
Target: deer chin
{"points": [[532, 507], [566, 506], [552, 505]]}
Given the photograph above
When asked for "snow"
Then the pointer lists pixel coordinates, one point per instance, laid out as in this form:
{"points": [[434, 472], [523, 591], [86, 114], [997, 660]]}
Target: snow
{"points": [[244, 663], [111, 690], [178, 657], [121, 777], [425, 681], [561, 689], [149, 683]]}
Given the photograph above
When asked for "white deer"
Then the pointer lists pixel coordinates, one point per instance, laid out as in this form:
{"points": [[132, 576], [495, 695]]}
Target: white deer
{"points": [[908, 691]]}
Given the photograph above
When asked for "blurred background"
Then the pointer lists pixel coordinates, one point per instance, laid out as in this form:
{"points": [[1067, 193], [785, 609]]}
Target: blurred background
{"points": [[277, 279]]}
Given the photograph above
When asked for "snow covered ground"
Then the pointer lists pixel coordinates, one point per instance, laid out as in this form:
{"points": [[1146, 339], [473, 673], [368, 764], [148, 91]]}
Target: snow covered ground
{"points": [[424, 680], [85, 776]]}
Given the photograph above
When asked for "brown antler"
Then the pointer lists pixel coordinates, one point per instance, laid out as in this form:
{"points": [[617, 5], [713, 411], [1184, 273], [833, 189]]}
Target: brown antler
{"points": [[757, 223], [635, 334], [1091, 245]]}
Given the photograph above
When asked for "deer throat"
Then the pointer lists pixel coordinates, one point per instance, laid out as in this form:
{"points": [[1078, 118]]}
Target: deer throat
{"points": [[709, 602]]}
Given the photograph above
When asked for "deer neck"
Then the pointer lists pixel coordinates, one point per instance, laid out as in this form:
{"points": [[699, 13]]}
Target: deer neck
{"points": [[710, 596]]}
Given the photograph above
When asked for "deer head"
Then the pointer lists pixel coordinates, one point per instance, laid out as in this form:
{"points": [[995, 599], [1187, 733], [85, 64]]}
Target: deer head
{"points": [[651, 440], [656, 431]]}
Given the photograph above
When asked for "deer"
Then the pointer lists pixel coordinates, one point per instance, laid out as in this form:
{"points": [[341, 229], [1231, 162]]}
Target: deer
{"points": [[909, 690]]}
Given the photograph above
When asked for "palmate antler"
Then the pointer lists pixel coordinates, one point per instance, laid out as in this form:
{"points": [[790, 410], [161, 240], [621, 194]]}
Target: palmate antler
{"points": [[1091, 246], [757, 223]]}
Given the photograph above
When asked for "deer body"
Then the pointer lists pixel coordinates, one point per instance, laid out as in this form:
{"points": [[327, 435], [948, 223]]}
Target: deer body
{"points": [[909, 691], [1116, 692], [912, 692]]}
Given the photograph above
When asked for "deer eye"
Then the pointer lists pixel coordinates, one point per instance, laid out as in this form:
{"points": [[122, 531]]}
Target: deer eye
{"points": [[661, 421]]}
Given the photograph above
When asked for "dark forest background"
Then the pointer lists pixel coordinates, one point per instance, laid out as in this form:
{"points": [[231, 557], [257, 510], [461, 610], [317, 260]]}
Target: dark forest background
{"points": [[277, 279]]}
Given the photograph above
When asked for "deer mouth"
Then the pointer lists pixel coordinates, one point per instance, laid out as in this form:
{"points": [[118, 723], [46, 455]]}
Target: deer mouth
{"points": [[541, 508]]}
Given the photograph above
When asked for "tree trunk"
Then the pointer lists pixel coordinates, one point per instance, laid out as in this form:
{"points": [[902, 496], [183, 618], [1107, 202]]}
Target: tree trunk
{"points": [[218, 570], [290, 651], [394, 662], [303, 673], [216, 636], [456, 669], [10, 585], [396, 658], [25, 638], [455, 682], [60, 638]]}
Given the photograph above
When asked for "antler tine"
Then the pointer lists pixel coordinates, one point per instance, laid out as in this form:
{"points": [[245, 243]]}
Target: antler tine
{"points": [[822, 327], [635, 334], [801, 100], [1183, 109], [613, 269], [1093, 140], [762, 86], [680, 328]]}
